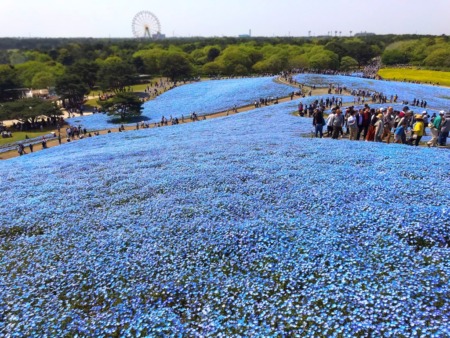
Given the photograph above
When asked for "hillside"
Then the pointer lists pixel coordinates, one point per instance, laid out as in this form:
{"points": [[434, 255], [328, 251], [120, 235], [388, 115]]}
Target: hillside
{"points": [[229, 226]]}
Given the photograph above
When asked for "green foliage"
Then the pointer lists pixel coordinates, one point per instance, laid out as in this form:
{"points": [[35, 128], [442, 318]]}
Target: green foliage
{"points": [[28, 70], [151, 59], [439, 58], [86, 70], [176, 66], [430, 52], [124, 104], [324, 60], [115, 75], [29, 109], [348, 63], [8, 80], [71, 88], [394, 56]]}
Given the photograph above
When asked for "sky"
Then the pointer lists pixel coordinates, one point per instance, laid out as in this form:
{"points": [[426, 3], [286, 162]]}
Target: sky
{"points": [[183, 18]]}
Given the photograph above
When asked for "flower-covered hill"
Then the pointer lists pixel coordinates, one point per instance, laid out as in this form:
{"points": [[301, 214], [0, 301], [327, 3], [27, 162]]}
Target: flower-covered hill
{"points": [[203, 97], [226, 227], [436, 97]]}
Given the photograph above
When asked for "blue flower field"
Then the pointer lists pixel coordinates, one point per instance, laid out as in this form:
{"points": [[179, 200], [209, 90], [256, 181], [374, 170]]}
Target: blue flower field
{"points": [[436, 97], [235, 226], [202, 97]]}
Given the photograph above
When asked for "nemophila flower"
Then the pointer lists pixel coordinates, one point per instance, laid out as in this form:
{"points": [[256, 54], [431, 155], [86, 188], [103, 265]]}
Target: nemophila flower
{"points": [[437, 98], [233, 226], [201, 97]]}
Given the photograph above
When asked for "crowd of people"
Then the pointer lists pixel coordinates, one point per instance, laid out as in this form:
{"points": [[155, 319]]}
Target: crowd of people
{"points": [[382, 125]]}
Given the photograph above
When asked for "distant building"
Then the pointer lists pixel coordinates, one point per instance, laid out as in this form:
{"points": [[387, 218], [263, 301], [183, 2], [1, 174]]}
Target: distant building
{"points": [[246, 35], [158, 36]]}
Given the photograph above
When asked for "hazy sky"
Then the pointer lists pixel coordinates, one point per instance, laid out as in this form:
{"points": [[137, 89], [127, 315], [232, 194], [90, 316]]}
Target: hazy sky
{"points": [[112, 18]]}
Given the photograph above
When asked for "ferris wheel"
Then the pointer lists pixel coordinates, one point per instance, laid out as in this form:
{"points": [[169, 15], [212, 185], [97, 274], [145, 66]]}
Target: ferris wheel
{"points": [[145, 25]]}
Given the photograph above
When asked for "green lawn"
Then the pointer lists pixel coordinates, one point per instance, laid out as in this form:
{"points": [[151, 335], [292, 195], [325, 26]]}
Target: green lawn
{"points": [[424, 76], [20, 136], [93, 102]]}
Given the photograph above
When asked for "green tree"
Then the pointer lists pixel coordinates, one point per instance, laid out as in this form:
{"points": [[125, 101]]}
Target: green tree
{"points": [[116, 75], [8, 81], [151, 59], [438, 59], [43, 80], [72, 89], [212, 69], [86, 70], [28, 70], [126, 105], [324, 60], [213, 53], [393, 57], [176, 66], [348, 63], [29, 109]]}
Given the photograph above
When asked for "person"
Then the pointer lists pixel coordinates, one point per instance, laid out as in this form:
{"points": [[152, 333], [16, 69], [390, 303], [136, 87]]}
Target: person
{"points": [[371, 131], [399, 132], [435, 128], [388, 120], [31, 147], [337, 122], [329, 124], [352, 125], [360, 120], [445, 128], [318, 122], [417, 131], [379, 128], [366, 120], [21, 149]]}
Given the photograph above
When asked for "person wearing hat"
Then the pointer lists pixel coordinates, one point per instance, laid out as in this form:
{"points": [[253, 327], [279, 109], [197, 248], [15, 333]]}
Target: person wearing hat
{"points": [[417, 131], [435, 128], [445, 128], [379, 128]]}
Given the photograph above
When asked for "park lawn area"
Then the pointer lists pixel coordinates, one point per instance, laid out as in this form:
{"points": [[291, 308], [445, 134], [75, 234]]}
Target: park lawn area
{"points": [[424, 76], [95, 93], [20, 136]]}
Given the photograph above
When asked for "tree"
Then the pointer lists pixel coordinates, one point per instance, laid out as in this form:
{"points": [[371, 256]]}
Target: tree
{"points": [[29, 109], [213, 52], [212, 68], [176, 66], [8, 81], [324, 60], [86, 70], [28, 70], [151, 59], [123, 104], [116, 75], [43, 80], [394, 56], [71, 88], [348, 63], [439, 58]]}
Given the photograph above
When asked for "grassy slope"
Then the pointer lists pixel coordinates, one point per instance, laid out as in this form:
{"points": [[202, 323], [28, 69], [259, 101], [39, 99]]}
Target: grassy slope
{"points": [[20, 135], [424, 76]]}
